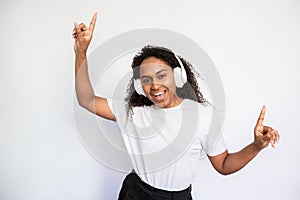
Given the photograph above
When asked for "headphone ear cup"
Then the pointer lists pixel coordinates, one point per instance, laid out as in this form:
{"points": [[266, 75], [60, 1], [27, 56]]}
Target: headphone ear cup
{"points": [[138, 87], [180, 73], [180, 78]]}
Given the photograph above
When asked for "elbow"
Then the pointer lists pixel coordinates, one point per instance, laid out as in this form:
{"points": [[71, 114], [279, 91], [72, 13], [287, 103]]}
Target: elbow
{"points": [[82, 103], [224, 170], [225, 173], [85, 104]]}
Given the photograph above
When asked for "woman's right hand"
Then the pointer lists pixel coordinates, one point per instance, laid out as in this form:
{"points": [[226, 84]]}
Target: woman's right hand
{"points": [[83, 36]]}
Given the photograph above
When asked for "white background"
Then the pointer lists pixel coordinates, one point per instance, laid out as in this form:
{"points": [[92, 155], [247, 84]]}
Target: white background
{"points": [[254, 45]]}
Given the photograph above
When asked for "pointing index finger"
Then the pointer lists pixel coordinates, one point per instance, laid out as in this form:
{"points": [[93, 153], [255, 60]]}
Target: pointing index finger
{"points": [[261, 116], [93, 22]]}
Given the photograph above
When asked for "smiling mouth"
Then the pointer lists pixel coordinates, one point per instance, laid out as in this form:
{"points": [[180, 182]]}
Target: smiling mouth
{"points": [[159, 96]]}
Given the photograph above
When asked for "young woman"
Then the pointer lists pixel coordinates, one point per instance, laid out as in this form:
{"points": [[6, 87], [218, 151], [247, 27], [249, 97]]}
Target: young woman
{"points": [[163, 95]]}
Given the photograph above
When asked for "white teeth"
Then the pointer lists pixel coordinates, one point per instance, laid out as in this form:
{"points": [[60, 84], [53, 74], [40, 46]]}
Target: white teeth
{"points": [[158, 94]]}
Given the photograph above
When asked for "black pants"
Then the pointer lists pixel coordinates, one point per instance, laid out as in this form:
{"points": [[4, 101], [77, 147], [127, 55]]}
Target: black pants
{"points": [[134, 188]]}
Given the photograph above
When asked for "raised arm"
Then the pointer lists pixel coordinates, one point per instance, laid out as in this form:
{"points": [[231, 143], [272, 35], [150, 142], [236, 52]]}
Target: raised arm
{"points": [[84, 90], [228, 163]]}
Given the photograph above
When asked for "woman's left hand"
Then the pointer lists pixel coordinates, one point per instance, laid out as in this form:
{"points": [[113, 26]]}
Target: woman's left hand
{"points": [[263, 135]]}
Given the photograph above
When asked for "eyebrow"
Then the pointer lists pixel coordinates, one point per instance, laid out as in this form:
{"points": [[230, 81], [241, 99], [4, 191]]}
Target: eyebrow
{"points": [[162, 70]]}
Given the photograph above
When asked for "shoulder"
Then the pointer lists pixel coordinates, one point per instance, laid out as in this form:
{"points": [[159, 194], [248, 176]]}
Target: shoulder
{"points": [[202, 112], [200, 107]]}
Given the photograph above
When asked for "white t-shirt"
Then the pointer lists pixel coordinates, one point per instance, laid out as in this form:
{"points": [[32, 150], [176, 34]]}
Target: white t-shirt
{"points": [[166, 144]]}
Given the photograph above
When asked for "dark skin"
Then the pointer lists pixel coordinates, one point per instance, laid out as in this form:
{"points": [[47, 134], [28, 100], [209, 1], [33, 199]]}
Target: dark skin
{"points": [[228, 163], [225, 163]]}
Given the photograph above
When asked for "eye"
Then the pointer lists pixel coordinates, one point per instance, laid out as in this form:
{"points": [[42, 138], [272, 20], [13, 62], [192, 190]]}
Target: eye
{"points": [[161, 76], [145, 80]]}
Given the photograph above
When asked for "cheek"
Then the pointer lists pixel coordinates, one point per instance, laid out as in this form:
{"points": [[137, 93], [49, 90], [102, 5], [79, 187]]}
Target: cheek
{"points": [[146, 88], [170, 83]]}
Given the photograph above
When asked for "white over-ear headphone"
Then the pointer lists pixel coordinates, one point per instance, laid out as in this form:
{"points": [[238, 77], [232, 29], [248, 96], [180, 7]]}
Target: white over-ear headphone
{"points": [[179, 73], [138, 86], [179, 76]]}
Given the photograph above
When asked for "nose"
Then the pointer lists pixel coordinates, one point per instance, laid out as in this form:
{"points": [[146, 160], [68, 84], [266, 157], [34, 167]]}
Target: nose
{"points": [[155, 86]]}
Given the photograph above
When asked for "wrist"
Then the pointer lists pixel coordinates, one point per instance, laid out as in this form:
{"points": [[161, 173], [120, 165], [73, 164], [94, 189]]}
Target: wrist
{"points": [[80, 56], [80, 60], [256, 146]]}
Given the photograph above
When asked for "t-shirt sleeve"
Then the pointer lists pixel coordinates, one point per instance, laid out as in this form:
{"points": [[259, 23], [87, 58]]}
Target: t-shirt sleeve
{"points": [[219, 147], [109, 101], [117, 107], [212, 140]]}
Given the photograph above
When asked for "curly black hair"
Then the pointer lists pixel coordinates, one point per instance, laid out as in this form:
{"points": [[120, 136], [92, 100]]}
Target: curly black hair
{"points": [[190, 90]]}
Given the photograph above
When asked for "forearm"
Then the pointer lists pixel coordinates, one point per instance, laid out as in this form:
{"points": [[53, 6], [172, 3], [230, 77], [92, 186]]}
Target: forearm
{"points": [[84, 90], [228, 163], [233, 162]]}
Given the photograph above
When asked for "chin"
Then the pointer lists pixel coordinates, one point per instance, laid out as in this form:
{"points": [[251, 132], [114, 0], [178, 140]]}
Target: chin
{"points": [[163, 104]]}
